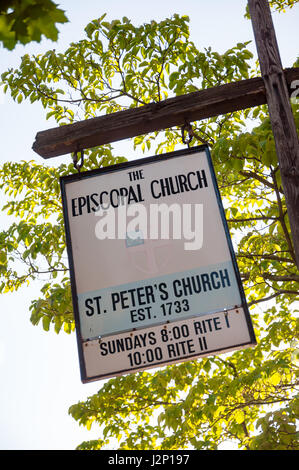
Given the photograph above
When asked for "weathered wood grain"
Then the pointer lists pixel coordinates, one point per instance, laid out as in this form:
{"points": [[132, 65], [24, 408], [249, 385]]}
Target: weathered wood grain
{"points": [[280, 111]]}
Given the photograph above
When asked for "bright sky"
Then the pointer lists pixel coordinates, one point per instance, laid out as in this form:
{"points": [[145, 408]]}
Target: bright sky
{"points": [[40, 376]]}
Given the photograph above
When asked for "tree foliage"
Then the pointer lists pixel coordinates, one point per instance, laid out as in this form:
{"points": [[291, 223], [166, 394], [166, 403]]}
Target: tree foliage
{"points": [[277, 6], [249, 396], [282, 5], [23, 21]]}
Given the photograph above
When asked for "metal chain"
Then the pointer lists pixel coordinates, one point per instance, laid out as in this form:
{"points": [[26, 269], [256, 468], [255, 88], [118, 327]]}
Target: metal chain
{"points": [[78, 165], [187, 128]]}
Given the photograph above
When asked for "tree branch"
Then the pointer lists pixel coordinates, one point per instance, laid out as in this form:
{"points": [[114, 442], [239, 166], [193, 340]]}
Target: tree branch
{"points": [[282, 215], [265, 256], [276, 294], [250, 219]]}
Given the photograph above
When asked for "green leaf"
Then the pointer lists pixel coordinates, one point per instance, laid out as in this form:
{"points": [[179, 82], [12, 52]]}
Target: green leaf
{"points": [[239, 416], [23, 22], [3, 257], [275, 379], [46, 323]]}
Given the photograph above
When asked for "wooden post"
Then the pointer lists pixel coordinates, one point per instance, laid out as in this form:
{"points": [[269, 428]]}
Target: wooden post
{"points": [[280, 111]]}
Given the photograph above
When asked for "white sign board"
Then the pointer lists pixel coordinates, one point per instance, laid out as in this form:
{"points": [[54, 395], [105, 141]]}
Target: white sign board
{"points": [[148, 244]]}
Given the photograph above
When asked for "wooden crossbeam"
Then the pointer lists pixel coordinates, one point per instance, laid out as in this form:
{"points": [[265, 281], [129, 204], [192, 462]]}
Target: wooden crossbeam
{"points": [[155, 116]]}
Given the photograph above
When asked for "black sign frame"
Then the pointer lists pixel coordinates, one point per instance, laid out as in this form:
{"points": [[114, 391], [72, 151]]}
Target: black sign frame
{"points": [[128, 165]]}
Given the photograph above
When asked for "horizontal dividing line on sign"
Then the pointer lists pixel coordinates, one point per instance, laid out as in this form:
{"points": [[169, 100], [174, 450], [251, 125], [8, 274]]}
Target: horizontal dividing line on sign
{"points": [[155, 116]]}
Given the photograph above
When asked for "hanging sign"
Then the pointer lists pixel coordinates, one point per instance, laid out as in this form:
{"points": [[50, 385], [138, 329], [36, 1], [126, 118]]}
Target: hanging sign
{"points": [[149, 249]]}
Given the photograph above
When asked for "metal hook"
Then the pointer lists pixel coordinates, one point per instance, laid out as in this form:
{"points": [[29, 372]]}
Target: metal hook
{"points": [[77, 165], [187, 128]]}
